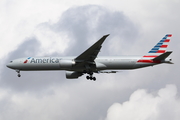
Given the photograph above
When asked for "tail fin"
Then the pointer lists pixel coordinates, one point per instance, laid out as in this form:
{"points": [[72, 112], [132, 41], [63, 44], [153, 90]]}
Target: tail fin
{"points": [[158, 53], [159, 48]]}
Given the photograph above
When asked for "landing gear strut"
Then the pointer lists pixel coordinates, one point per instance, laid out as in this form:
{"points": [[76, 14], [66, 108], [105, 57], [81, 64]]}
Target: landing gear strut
{"points": [[18, 71], [91, 77]]}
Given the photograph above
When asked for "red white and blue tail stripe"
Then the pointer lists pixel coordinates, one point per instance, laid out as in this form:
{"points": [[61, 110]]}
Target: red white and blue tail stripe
{"points": [[158, 49]]}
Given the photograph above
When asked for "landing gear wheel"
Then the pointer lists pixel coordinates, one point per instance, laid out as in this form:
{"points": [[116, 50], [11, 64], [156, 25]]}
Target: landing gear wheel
{"points": [[87, 77], [19, 75], [18, 71], [90, 77]]}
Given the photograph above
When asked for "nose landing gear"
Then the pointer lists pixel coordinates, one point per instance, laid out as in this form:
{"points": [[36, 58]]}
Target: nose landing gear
{"points": [[18, 71]]}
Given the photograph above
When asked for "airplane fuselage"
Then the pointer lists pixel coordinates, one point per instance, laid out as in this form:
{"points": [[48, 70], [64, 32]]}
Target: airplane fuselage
{"points": [[68, 63], [88, 62]]}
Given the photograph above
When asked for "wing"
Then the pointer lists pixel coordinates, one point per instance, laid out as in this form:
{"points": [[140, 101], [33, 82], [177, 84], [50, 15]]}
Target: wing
{"points": [[87, 57], [91, 53]]}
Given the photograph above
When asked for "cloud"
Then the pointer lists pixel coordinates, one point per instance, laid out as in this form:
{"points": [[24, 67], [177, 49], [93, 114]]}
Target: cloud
{"points": [[66, 103], [84, 25], [48, 95], [147, 106]]}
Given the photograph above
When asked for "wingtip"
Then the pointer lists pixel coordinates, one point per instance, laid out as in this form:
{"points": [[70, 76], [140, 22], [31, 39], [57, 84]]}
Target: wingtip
{"points": [[106, 35]]}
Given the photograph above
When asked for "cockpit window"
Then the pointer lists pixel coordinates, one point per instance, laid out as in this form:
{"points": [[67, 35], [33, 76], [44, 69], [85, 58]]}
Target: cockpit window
{"points": [[11, 61]]}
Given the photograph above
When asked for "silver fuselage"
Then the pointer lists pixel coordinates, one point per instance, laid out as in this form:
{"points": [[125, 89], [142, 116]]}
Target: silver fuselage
{"points": [[68, 63]]}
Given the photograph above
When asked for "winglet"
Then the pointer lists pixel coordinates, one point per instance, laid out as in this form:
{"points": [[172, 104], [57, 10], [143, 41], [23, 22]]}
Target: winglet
{"points": [[106, 35]]}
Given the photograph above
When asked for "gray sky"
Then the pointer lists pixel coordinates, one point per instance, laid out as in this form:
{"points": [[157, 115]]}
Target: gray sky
{"points": [[58, 28]]}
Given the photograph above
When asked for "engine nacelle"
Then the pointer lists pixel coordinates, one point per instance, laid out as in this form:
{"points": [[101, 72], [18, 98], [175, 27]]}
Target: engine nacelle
{"points": [[66, 63], [72, 75]]}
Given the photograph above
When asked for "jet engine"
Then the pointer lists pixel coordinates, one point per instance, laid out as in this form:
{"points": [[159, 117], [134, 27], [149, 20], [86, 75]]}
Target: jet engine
{"points": [[66, 63], [72, 75]]}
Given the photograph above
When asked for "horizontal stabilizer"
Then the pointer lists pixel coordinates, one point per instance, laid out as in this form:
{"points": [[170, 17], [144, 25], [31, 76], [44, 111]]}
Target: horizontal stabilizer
{"points": [[163, 56]]}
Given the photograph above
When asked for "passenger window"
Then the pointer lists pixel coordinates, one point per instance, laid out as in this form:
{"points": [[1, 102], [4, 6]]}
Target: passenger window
{"points": [[11, 61]]}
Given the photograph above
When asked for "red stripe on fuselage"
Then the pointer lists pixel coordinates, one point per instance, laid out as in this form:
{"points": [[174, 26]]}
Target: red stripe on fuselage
{"points": [[149, 61], [150, 56]]}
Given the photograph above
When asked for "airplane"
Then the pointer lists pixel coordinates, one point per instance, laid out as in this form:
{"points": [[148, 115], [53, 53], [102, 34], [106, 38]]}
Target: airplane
{"points": [[89, 62]]}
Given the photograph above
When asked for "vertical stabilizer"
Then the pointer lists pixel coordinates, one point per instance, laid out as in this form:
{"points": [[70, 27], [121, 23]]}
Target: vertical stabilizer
{"points": [[159, 48], [158, 52]]}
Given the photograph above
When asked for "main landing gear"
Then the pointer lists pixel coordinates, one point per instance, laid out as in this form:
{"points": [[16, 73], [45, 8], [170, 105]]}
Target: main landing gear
{"points": [[90, 77], [18, 71]]}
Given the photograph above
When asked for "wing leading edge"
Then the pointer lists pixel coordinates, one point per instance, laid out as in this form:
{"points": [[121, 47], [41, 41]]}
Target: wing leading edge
{"points": [[91, 53]]}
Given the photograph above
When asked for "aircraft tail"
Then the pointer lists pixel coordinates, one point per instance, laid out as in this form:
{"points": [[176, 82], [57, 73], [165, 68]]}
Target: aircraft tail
{"points": [[158, 53], [160, 47], [163, 58]]}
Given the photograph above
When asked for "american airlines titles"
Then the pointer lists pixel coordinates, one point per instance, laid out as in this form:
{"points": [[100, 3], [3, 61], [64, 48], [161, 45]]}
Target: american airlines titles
{"points": [[45, 60]]}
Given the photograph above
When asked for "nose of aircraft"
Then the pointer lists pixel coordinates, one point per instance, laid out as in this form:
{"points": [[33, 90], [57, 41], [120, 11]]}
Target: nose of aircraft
{"points": [[9, 65]]}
